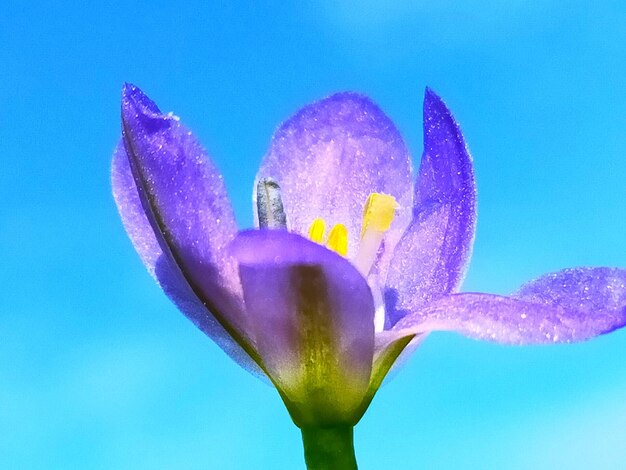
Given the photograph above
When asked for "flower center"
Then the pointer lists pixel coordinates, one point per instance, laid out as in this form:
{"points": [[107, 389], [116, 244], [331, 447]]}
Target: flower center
{"points": [[378, 214]]}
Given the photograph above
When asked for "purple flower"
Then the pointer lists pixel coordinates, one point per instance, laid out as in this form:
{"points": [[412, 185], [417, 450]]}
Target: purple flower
{"points": [[354, 263]]}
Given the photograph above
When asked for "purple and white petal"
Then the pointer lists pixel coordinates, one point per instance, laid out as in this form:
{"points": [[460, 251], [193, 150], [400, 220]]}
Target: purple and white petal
{"points": [[161, 266], [587, 290], [330, 156], [313, 318], [185, 201], [567, 306], [433, 254]]}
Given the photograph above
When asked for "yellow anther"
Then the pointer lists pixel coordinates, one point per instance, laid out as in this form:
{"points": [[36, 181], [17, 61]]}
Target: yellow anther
{"points": [[316, 230], [338, 239], [378, 213]]}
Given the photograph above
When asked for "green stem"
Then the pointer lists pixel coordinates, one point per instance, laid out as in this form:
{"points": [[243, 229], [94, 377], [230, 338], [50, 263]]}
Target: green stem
{"points": [[329, 448]]}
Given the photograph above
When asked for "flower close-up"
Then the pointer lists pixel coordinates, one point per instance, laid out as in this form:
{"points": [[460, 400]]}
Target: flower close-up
{"points": [[352, 262]]}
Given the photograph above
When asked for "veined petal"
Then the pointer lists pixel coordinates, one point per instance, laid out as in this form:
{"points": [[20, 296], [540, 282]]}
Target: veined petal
{"points": [[432, 256], [313, 316], [330, 156], [184, 200], [161, 266], [567, 306]]}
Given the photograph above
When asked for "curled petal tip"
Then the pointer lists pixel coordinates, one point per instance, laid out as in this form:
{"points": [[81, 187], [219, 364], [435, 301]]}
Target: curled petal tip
{"points": [[139, 111], [133, 94], [134, 97]]}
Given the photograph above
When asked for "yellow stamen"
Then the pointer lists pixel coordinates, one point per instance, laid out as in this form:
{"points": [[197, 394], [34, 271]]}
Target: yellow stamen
{"points": [[317, 229], [378, 213], [338, 239]]}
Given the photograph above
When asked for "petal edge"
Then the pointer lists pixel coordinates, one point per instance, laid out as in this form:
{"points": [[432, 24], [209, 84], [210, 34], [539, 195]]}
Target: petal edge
{"points": [[432, 257], [566, 306]]}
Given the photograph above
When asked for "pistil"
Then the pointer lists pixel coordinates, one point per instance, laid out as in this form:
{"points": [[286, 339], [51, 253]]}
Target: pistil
{"points": [[270, 205]]}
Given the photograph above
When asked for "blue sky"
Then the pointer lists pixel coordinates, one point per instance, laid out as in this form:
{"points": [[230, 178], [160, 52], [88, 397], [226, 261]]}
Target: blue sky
{"points": [[97, 368]]}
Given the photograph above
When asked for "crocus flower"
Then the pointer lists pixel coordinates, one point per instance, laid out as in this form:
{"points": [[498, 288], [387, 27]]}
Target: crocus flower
{"points": [[351, 264]]}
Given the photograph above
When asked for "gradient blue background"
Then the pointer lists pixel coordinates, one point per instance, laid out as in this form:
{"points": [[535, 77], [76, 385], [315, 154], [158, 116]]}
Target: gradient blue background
{"points": [[97, 368]]}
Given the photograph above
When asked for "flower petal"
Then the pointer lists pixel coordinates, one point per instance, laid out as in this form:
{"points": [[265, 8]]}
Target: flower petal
{"points": [[585, 289], [432, 256], [185, 201], [313, 315], [161, 266], [571, 305], [330, 156]]}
